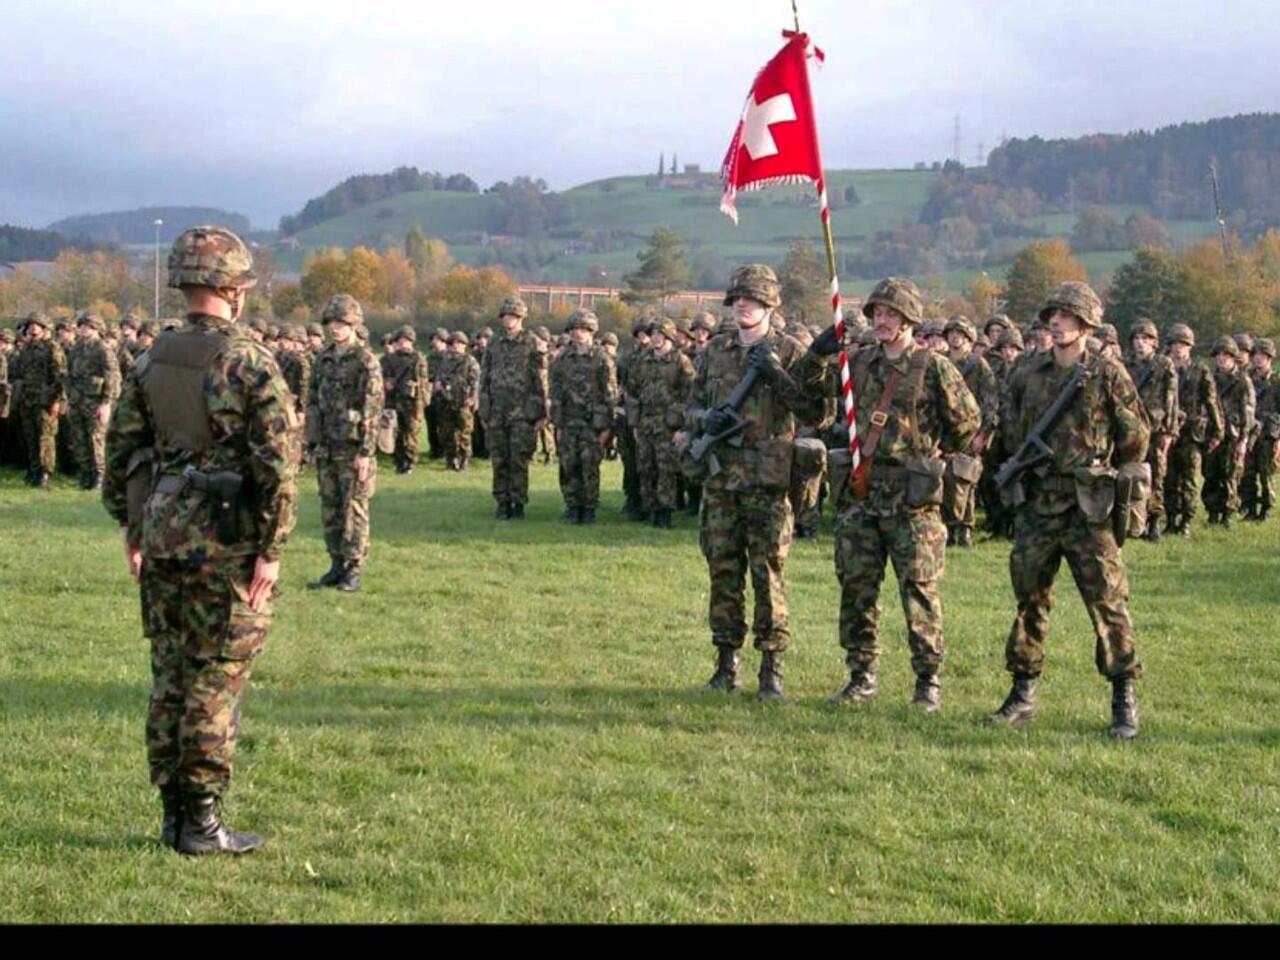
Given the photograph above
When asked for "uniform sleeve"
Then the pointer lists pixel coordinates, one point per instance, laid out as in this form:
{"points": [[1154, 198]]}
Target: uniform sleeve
{"points": [[1248, 406], [56, 388], [554, 386], [423, 376], [538, 388], [606, 394], [1215, 429], [483, 401], [129, 431], [1130, 428], [1169, 400], [371, 407], [957, 409], [988, 398], [110, 376]]}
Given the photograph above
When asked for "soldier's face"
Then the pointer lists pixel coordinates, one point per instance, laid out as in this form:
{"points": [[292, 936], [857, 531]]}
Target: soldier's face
{"points": [[1262, 363], [510, 322], [959, 342], [35, 332], [1225, 361], [1065, 328], [700, 337], [339, 332], [580, 336], [1180, 352], [1010, 353], [458, 348], [748, 314], [659, 342], [316, 342], [888, 323], [1143, 345]]}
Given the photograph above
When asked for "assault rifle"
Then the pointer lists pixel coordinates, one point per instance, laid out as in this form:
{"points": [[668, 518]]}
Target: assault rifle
{"points": [[1034, 450], [705, 444]]}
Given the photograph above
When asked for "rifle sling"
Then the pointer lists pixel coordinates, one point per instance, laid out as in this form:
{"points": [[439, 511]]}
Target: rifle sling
{"points": [[879, 419]]}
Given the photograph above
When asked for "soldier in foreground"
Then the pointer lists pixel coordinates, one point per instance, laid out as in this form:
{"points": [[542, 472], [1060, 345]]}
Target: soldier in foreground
{"points": [[200, 477], [911, 403], [346, 402], [746, 520], [583, 392], [513, 405], [1068, 505]]}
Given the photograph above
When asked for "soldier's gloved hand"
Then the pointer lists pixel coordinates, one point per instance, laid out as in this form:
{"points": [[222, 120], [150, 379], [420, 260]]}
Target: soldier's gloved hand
{"points": [[717, 421], [763, 360], [826, 344]]}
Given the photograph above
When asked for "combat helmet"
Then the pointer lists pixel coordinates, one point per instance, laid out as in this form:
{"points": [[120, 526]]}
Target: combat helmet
{"points": [[1011, 338], [756, 281], [343, 308], [964, 325], [211, 257], [314, 329], [513, 306], [405, 332], [1244, 342], [1265, 346], [582, 319], [1225, 345], [640, 326], [900, 294], [1107, 334], [609, 339], [486, 333], [460, 336], [1076, 298], [1180, 333], [703, 320], [1143, 327], [91, 320], [1000, 321], [665, 326], [543, 334]]}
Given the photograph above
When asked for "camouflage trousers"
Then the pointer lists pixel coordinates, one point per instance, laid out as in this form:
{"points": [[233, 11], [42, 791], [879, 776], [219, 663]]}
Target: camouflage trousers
{"points": [[627, 451], [1182, 481], [479, 443], [1159, 463], [741, 532], [658, 467], [959, 500], [204, 639], [1222, 472], [344, 507], [1040, 545], [988, 493], [1258, 488], [545, 443], [580, 456], [40, 433], [456, 425], [89, 438], [510, 450], [408, 434], [915, 540]]}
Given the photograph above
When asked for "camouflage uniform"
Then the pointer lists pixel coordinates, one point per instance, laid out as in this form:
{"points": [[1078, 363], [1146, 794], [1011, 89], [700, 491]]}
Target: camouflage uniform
{"points": [[207, 398], [1200, 416], [662, 382], [6, 395], [583, 391], [1156, 381], [1260, 470], [43, 373], [625, 420], [479, 443], [407, 383], [1067, 510], [899, 519], [513, 400], [1224, 467], [960, 496], [746, 520], [345, 404], [435, 357], [459, 380], [545, 437], [92, 382]]}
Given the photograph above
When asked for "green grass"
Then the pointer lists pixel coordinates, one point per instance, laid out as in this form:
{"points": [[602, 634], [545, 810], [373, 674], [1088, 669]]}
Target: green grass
{"points": [[505, 726]]}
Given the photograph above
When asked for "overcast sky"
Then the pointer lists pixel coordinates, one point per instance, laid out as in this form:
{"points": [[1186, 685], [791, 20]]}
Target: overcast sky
{"points": [[256, 106]]}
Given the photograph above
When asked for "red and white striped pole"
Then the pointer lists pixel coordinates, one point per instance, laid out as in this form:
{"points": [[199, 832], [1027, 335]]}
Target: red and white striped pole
{"points": [[846, 378]]}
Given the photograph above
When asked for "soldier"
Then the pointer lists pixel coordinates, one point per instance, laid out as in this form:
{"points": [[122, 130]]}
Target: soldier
{"points": [[148, 330], [64, 334], [701, 328], [513, 406], [436, 353], [1261, 468], [204, 405], [342, 420], [544, 436], [459, 394], [1199, 435], [1156, 381], [1110, 338], [911, 403], [43, 373], [93, 384], [1068, 506], [625, 421], [407, 383], [1006, 345], [1225, 465], [6, 392], [479, 444], [295, 368], [315, 339], [964, 469], [746, 521], [662, 383], [584, 390]]}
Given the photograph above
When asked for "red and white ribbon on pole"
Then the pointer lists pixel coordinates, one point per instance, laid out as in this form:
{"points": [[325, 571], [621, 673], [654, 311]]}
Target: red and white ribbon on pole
{"points": [[776, 142]]}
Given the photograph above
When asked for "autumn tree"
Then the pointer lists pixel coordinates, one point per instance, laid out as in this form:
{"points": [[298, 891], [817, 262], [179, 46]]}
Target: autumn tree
{"points": [[1035, 271], [285, 298]]}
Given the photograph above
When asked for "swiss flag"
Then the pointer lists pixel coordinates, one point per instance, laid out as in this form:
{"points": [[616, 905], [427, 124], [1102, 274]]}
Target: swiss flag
{"points": [[777, 138]]}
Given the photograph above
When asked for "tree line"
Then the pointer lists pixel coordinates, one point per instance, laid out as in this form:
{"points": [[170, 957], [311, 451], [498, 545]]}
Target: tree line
{"points": [[362, 189]]}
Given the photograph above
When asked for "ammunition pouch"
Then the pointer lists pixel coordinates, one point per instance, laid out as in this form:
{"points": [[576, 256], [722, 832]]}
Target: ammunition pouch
{"points": [[222, 489], [809, 458], [963, 472], [925, 482], [1096, 493], [1133, 490], [775, 463], [387, 423]]}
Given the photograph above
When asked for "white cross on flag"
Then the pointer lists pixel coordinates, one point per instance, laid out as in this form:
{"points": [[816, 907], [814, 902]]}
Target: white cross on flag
{"points": [[777, 138]]}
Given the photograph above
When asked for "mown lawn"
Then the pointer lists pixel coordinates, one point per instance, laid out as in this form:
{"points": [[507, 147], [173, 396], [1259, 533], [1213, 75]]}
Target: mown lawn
{"points": [[505, 725]]}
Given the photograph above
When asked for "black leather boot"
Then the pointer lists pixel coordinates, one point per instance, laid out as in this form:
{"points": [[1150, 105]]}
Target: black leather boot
{"points": [[350, 580], [202, 830], [725, 679], [42, 480], [330, 579], [587, 515], [861, 688], [570, 515], [503, 512], [1170, 525], [964, 537], [1124, 710], [1153, 530], [1020, 705], [928, 695], [1226, 521], [770, 676], [171, 802], [517, 511]]}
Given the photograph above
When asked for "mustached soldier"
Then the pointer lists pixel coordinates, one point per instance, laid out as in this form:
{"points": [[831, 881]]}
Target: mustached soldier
{"points": [[209, 409]]}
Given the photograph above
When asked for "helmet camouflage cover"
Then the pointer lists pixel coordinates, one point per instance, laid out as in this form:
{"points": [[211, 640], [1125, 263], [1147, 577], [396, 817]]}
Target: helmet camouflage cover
{"points": [[210, 257], [964, 325], [405, 332], [459, 336], [665, 326], [1226, 345], [703, 320], [1181, 333], [756, 281], [1107, 333], [343, 308], [902, 295], [513, 307], [1265, 346], [1244, 341], [1144, 328], [582, 319], [1076, 298]]}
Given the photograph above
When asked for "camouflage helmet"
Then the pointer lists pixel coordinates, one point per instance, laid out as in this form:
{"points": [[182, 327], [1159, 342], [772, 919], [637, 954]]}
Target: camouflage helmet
{"points": [[998, 320], [63, 324], [274, 331], [211, 257], [91, 320], [609, 339], [149, 328], [1180, 333], [513, 306], [1265, 346], [1225, 345], [314, 330], [1011, 338], [981, 341], [258, 325], [582, 319], [298, 333], [964, 325], [640, 326], [405, 332], [440, 333], [459, 336], [38, 317], [1143, 327], [756, 281], [486, 333], [343, 308], [1107, 334], [1244, 342], [665, 326], [6, 335], [703, 320], [1075, 298], [129, 320], [901, 295], [543, 334]]}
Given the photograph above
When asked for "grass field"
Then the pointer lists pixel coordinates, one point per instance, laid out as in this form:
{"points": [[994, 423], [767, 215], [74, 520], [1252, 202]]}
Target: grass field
{"points": [[505, 726]]}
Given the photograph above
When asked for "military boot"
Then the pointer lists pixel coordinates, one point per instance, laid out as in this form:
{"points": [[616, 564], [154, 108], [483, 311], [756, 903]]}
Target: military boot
{"points": [[1124, 710], [350, 580], [95, 480], [462, 463], [1262, 514], [202, 830], [330, 579], [770, 676], [42, 480], [170, 824], [1171, 525], [725, 679], [951, 536], [964, 537], [928, 695], [861, 688], [587, 515], [570, 515], [517, 511], [503, 512], [1226, 521], [1020, 705]]}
